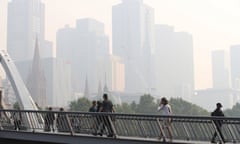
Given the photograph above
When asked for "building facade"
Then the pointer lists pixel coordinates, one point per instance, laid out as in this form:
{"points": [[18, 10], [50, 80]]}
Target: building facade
{"points": [[235, 66], [173, 63], [133, 41], [220, 75], [84, 47], [25, 24]]}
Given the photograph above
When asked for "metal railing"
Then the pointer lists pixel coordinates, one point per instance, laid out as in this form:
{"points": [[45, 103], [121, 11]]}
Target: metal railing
{"points": [[124, 126]]}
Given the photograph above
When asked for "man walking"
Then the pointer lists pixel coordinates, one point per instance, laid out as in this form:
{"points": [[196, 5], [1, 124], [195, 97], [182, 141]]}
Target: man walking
{"points": [[107, 107], [218, 123]]}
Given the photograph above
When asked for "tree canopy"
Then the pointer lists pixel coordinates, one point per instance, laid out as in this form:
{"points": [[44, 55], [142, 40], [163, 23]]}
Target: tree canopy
{"points": [[82, 104], [234, 112], [148, 105]]}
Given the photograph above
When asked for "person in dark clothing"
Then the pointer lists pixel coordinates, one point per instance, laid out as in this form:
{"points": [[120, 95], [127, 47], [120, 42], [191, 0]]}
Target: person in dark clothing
{"points": [[99, 121], [99, 105], [218, 123], [49, 120], [17, 120], [93, 108], [62, 122], [107, 107]]}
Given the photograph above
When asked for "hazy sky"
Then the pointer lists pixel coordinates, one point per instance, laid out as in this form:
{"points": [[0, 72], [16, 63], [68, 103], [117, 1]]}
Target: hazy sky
{"points": [[214, 24]]}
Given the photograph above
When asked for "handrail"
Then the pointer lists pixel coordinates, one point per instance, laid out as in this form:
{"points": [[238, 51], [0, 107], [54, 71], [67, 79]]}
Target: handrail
{"points": [[134, 126]]}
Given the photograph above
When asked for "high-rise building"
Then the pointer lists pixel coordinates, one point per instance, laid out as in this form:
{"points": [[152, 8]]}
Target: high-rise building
{"points": [[173, 63], [58, 75], [25, 23], [3, 26], [220, 75], [83, 47], [133, 41], [235, 66]]}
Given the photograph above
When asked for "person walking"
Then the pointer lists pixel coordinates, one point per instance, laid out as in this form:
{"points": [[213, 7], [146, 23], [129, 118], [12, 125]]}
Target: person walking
{"points": [[94, 121], [62, 121], [218, 123], [166, 110], [93, 108], [49, 120], [107, 107]]}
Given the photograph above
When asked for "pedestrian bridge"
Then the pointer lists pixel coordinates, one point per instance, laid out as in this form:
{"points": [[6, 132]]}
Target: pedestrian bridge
{"points": [[76, 127], [31, 125]]}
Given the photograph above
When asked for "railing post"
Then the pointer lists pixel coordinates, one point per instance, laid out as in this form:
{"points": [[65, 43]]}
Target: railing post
{"points": [[188, 135], [70, 125]]}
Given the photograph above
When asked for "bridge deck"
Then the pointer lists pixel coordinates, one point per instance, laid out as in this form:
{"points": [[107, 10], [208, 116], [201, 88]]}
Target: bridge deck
{"points": [[72, 127]]}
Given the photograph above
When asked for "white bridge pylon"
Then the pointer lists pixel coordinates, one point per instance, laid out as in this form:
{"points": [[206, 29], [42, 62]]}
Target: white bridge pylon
{"points": [[22, 94]]}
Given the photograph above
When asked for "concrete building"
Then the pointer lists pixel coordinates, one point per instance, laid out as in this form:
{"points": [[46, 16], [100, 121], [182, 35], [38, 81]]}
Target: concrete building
{"points": [[3, 26], [209, 97], [133, 41], [26, 22], [220, 75], [235, 66], [83, 47], [173, 60]]}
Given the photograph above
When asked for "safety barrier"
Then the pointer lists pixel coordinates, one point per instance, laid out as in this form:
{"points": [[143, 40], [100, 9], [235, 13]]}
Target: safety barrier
{"points": [[124, 126]]}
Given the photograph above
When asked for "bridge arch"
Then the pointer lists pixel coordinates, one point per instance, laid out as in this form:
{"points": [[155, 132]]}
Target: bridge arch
{"points": [[22, 94]]}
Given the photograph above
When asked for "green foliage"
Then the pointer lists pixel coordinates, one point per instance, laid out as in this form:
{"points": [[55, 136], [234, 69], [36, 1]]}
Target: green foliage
{"points": [[234, 112], [82, 104], [146, 104], [16, 106], [181, 107], [124, 108], [134, 106]]}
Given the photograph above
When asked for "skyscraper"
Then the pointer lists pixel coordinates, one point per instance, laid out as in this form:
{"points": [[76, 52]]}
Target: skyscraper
{"points": [[132, 31], [235, 66], [3, 18], [25, 24], [173, 60], [83, 47], [220, 76]]}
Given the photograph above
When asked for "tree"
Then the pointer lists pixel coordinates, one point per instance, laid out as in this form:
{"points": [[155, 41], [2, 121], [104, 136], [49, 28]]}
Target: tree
{"points": [[146, 104], [16, 106], [124, 108], [181, 107], [234, 112], [82, 104], [134, 106]]}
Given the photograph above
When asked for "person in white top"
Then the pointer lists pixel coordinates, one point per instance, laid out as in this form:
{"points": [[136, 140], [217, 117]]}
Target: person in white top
{"points": [[165, 109]]}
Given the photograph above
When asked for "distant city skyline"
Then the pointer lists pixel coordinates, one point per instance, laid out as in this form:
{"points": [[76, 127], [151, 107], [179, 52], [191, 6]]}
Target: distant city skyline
{"points": [[213, 24]]}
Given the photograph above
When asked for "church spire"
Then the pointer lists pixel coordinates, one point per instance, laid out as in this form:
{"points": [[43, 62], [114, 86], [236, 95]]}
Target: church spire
{"points": [[100, 90], [86, 90], [36, 82], [105, 89]]}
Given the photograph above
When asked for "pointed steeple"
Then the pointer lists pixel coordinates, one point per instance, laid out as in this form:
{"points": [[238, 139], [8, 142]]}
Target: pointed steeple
{"points": [[105, 89], [86, 90], [100, 90], [36, 82]]}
